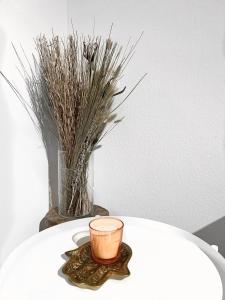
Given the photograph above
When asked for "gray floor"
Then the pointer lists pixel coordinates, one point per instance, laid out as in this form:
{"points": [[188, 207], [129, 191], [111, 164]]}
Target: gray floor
{"points": [[214, 234]]}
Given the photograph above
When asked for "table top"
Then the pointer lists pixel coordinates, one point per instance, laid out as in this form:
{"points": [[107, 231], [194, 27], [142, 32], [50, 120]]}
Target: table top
{"points": [[164, 266]]}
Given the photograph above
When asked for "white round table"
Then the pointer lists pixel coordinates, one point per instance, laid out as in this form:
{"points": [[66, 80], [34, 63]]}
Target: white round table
{"points": [[164, 266]]}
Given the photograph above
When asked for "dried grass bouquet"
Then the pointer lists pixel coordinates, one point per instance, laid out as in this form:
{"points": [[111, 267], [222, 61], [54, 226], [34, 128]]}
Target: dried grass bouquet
{"points": [[72, 85]]}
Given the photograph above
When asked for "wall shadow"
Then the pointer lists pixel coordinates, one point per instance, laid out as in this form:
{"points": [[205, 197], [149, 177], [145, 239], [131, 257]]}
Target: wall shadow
{"points": [[6, 169]]}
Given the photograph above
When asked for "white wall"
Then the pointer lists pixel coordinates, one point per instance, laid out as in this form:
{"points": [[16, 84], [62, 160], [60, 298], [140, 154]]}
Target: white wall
{"points": [[166, 161], [23, 172]]}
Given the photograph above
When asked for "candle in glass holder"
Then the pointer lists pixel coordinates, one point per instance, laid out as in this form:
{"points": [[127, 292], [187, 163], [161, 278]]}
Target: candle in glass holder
{"points": [[106, 237]]}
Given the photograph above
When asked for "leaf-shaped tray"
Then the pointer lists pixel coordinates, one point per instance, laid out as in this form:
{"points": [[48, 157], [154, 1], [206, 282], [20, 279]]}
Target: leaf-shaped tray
{"points": [[84, 272]]}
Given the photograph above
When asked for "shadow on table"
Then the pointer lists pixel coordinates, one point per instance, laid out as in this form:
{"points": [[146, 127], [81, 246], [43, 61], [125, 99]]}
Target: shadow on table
{"points": [[221, 270], [6, 172], [79, 243], [214, 234], [213, 255], [60, 273]]}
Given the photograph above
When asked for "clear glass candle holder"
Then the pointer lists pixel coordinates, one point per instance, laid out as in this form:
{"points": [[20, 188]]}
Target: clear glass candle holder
{"points": [[106, 236]]}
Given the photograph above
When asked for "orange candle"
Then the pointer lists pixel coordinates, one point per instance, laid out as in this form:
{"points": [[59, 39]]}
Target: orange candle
{"points": [[106, 237]]}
